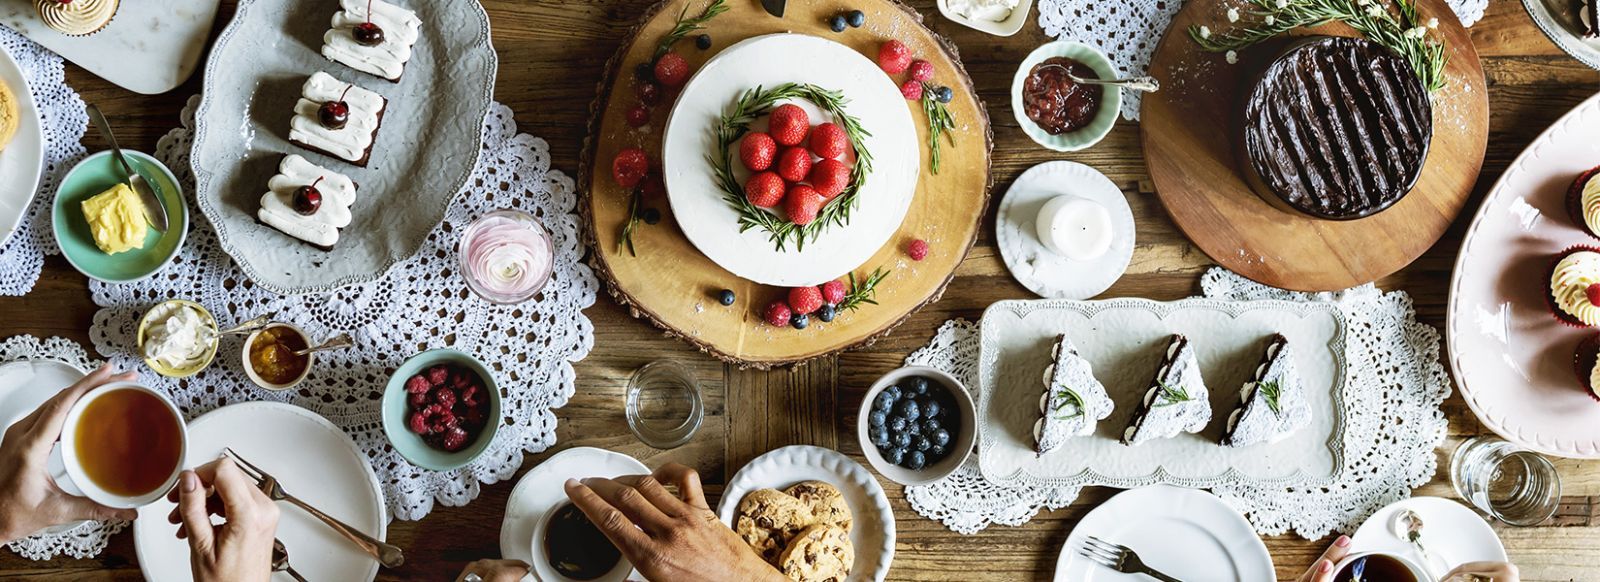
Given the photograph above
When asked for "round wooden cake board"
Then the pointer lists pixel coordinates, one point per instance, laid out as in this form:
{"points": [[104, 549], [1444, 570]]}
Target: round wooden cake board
{"points": [[1187, 127], [672, 285]]}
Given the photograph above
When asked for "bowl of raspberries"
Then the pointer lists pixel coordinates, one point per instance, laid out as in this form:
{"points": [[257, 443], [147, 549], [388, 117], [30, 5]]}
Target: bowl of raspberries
{"points": [[441, 409], [917, 425]]}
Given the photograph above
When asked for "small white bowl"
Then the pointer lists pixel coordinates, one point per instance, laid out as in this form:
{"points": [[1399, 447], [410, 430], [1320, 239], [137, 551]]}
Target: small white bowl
{"points": [[250, 369], [1011, 25], [1110, 101], [960, 443]]}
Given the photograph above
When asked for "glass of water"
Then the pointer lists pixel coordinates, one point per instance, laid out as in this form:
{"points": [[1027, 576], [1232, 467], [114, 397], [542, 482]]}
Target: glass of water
{"points": [[663, 404], [1516, 486]]}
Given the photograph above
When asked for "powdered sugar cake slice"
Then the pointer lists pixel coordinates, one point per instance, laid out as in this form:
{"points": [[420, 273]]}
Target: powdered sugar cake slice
{"points": [[320, 228], [1073, 400], [387, 58], [1273, 403], [1177, 400]]}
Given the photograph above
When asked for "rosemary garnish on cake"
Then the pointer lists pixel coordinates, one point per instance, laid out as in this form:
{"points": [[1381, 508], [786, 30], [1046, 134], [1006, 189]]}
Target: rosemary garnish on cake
{"points": [[1068, 397], [687, 25], [1272, 392], [1169, 395]]}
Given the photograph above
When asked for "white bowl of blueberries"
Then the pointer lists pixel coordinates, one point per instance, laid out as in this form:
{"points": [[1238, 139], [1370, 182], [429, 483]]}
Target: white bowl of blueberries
{"points": [[917, 425]]}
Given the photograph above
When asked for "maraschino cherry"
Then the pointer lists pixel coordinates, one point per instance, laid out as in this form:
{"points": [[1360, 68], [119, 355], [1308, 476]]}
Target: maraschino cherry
{"points": [[307, 199], [368, 33], [334, 114]]}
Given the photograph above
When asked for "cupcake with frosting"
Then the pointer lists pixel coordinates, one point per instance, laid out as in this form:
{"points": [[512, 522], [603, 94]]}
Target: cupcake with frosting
{"points": [[1583, 201], [1574, 292], [1584, 363], [77, 17]]}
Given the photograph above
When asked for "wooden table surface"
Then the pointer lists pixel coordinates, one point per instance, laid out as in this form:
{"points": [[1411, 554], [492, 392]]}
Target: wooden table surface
{"points": [[551, 55]]}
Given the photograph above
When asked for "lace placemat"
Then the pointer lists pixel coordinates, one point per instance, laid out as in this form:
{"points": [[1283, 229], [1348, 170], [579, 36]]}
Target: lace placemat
{"points": [[63, 120], [422, 303], [89, 538], [1390, 436], [1127, 31]]}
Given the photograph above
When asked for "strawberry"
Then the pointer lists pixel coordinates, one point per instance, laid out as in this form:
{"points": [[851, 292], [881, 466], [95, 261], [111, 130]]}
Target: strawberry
{"points": [[789, 124], [921, 70], [833, 292], [894, 56], [777, 314], [829, 141], [671, 70], [794, 164], [764, 189], [918, 249], [639, 116], [911, 90], [802, 204], [757, 151], [1593, 291], [630, 167], [830, 178], [805, 300]]}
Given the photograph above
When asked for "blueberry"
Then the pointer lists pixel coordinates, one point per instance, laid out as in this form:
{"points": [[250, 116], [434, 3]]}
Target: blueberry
{"points": [[800, 321], [856, 18], [914, 460], [836, 23], [897, 423], [877, 418], [882, 444], [944, 94], [651, 216], [929, 426], [645, 72], [877, 433], [702, 42], [894, 456], [726, 297], [894, 391], [919, 386], [902, 440], [885, 401], [940, 437], [908, 409], [931, 408], [827, 312], [921, 443], [937, 452]]}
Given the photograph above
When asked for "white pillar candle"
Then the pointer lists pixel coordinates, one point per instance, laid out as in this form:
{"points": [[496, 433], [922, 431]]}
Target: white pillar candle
{"points": [[1076, 228]]}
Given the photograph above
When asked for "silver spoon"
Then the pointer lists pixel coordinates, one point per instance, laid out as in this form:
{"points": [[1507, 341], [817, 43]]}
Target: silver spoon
{"points": [[1408, 526], [154, 211], [1145, 84], [280, 561], [337, 342], [248, 326]]}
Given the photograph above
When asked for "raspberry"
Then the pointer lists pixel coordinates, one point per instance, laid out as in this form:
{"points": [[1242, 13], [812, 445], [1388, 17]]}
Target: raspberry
{"points": [[894, 56], [1593, 291], [833, 292], [418, 423], [764, 189], [455, 439], [794, 164], [829, 141], [474, 416], [911, 90], [921, 70], [418, 385], [777, 314], [789, 124], [671, 70], [639, 116], [830, 178], [628, 169], [417, 400], [802, 204], [805, 300], [445, 397], [757, 151], [649, 93], [437, 375], [918, 249]]}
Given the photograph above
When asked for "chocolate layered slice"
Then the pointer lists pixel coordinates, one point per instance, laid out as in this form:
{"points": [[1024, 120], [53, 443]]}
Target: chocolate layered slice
{"points": [[1176, 400], [1589, 17], [1073, 400], [1336, 128], [1272, 405]]}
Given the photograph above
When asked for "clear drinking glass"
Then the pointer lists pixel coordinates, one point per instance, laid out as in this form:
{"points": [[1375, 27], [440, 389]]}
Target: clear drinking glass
{"points": [[1514, 485], [663, 404]]}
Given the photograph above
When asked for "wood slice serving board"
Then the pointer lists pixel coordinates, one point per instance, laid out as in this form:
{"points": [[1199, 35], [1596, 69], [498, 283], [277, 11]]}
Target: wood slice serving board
{"points": [[1186, 130], [674, 286]]}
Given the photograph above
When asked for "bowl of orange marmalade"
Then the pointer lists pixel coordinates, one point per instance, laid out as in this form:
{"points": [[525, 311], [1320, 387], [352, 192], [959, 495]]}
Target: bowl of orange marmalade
{"points": [[270, 360]]}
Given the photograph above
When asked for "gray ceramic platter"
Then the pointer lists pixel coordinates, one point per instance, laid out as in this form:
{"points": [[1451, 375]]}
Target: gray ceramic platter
{"points": [[1559, 21], [425, 152]]}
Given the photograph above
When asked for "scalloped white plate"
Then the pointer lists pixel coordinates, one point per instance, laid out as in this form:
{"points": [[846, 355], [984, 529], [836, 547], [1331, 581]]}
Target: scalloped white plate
{"points": [[542, 489], [873, 531], [1455, 533], [1125, 340], [1191, 535]]}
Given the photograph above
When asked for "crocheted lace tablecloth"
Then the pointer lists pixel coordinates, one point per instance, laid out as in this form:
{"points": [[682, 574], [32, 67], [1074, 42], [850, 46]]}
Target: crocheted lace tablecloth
{"points": [[64, 120], [1394, 423]]}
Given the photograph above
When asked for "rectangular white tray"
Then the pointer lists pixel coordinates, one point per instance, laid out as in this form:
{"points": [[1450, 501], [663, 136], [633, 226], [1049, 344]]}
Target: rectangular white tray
{"points": [[1125, 339], [149, 47]]}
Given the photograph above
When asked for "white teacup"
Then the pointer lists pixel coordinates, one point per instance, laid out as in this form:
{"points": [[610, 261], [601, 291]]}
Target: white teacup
{"points": [[67, 469], [544, 570], [1416, 570]]}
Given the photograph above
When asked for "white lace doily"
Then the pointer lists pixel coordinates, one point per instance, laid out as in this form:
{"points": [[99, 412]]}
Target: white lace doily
{"points": [[63, 119], [1127, 31], [421, 304], [89, 538], [1393, 424]]}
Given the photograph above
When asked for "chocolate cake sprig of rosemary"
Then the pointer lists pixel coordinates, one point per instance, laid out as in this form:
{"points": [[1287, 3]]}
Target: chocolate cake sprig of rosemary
{"points": [[1067, 397], [940, 122], [1170, 395], [1398, 29], [688, 25], [1272, 392], [862, 291]]}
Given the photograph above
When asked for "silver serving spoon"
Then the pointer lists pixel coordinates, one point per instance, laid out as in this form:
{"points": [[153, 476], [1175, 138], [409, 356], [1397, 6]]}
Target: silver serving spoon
{"points": [[154, 211], [337, 342], [1408, 526], [1145, 84], [248, 326], [280, 561]]}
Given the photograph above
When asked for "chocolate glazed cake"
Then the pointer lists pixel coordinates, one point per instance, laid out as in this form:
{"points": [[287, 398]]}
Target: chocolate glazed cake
{"points": [[1337, 128]]}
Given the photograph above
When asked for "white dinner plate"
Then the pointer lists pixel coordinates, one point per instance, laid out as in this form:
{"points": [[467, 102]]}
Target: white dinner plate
{"points": [[23, 159], [1185, 533], [1452, 532], [24, 385], [543, 488], [873, 531], [312, 459], [1041, 270]]}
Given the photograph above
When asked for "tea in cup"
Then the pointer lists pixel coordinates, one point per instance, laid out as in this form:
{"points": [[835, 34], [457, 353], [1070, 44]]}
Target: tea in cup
{"points": [[1378, 567], [123, 446]]}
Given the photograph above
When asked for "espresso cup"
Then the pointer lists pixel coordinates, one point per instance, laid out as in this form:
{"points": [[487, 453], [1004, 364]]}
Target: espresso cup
{"points": [[68, 468], [1416, 571]]}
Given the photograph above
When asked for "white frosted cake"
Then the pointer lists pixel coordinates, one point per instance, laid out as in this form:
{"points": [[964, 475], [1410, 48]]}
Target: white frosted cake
{"points": [[351, 138], [1273, 403], [353, 42], [287, 204], [1177, 400], [1073, 400]]}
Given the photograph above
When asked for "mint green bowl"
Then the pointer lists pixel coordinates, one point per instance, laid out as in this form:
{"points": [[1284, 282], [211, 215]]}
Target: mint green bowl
{"points": [[98, 173], [1110, 102], [409, 444]]}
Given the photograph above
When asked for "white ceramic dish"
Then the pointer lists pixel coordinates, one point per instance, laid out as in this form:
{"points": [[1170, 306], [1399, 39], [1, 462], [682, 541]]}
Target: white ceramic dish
{"points": [[277, 437], [1125, 339], [126, 52], [960, 443], [1043, 271], [542, 489], [1110, 101], [26, 384], [1010, 26], [1558, 19], [1452, 532], [873, 531], [250, 370], [766, 61], [1188, 534], [23, 159], [426, 149]]}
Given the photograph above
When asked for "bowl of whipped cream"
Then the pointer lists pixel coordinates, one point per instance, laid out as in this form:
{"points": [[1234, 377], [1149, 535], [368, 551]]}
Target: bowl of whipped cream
{"points": [[178, 338], [996, 17], [506, 256]]}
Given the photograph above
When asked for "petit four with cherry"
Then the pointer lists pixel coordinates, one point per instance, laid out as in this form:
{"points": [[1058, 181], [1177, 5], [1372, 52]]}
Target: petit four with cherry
{"points": [[308, 202], [337, 119], [372, 36]]}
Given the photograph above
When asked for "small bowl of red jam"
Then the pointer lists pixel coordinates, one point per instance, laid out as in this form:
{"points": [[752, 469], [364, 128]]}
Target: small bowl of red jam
{"points": [[1057, 111]]}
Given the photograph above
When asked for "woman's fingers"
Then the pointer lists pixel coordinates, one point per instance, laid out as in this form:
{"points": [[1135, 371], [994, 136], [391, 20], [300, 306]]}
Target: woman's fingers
{"points": [[1494, 571], [633, 503], [192, 508], [653, 491], [611, 522], [1322, 569], [687, 481], [44, 424]]}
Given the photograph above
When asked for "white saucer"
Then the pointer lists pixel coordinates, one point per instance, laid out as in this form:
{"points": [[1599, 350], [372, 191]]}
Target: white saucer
{"points": [[1453, 533], [543, 488], [24, 385], [1185, 533], [1038, 268]]}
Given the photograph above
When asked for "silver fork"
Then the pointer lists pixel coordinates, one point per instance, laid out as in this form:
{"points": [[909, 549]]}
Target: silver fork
{"points": [[1119, 557], [387, 554]]}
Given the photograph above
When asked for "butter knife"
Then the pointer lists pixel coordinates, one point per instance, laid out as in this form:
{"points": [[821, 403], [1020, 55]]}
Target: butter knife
{"points": [[774, 7], [154, 211]]}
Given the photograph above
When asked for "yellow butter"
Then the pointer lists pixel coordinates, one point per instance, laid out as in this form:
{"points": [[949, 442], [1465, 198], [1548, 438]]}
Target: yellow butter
{"points": [[116, 218]]}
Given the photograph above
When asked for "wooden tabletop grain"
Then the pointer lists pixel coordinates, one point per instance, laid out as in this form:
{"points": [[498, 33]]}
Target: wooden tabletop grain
{"points": [[551, 56]]}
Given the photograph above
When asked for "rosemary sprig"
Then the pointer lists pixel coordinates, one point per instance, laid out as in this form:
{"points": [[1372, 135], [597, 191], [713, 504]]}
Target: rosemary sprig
{"points": [[1068, 397], [736, 122], [1170, 395], [862, 291], [939, 123], [1397, 29], [687, 25], [625, 240], [1272, 392]]}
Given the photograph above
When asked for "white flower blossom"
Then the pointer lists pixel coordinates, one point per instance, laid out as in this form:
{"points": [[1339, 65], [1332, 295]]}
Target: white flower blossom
{"points": [[1205, 32], [1270, 20], [1233, 15], [1375, 11], [1233, 57], [1433, 23], [1281, 4]]}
